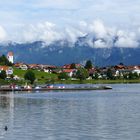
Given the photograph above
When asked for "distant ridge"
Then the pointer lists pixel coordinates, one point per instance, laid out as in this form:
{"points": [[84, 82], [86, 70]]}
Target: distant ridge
{"points": [[64, 52]]}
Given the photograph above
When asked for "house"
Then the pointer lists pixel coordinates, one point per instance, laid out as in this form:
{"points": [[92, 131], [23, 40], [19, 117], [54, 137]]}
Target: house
{"points": [[10, 57], [70, 72], [136, 70], [119, 67], [8, 70], [19, 64], [16, 77], [68, 66], [33, 66], [23, 67]]}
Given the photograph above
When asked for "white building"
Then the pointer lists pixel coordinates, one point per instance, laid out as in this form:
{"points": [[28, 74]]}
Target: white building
{"points": [[10, 57], [8, 70]]}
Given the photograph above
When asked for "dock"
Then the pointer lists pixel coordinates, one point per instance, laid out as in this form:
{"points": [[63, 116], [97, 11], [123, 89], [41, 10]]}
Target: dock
{"points": [[58, 89]]}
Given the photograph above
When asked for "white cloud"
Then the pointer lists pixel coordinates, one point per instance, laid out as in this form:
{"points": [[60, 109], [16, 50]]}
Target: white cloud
{"points": [[97, 34], [42, 31], [2, 34], [72, 34], [126, 39], [98, 28], [126, 42], [100, 44]]}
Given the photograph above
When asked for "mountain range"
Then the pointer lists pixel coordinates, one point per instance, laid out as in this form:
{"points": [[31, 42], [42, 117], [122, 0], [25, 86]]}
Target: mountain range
{"points": [[64, 52]]}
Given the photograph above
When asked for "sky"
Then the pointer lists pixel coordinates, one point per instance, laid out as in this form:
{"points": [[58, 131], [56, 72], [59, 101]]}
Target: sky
{"points": [[49, 20]]}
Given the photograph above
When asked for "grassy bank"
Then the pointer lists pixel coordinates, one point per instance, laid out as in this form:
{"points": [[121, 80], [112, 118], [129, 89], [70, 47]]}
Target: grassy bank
{"points": [[97, 81], [41, 77]]}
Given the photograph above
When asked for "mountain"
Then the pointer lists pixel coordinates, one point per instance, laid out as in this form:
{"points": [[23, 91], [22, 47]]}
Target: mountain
{"points": [[63, 52]]}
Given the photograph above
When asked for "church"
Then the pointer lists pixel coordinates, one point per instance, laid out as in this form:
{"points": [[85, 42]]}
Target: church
{"points": [[10, 57]]}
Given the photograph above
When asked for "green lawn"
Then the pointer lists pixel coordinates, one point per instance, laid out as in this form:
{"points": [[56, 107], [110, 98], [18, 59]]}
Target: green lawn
{"points": [[41, 77]]}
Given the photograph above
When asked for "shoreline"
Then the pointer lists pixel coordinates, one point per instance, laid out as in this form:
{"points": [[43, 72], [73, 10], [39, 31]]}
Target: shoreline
{"points": [[98, 82], [137, 81]]}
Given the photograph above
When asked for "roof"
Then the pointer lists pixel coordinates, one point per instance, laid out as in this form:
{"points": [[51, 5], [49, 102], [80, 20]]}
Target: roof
{"points": [[68, 70], [32, 65], [68, 66], [18, 64], [119, 67], [4, 68], [10, 54]]}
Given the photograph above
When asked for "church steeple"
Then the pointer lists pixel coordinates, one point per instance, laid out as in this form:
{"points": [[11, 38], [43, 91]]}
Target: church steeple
{"points": [[10, 57]]}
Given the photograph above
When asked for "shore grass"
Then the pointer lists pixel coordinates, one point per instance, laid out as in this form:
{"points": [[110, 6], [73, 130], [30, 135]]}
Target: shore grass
{"points": [[97, 81]]}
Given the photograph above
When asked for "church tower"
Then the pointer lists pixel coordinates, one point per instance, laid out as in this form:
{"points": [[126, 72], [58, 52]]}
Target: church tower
{"points": [[10, 57]]}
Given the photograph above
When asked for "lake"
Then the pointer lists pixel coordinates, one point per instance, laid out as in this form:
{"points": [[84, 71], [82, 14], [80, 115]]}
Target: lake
{"points": [[66, 115]]}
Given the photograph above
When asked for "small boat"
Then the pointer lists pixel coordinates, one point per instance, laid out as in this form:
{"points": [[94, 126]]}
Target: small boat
{"points": [[107, 87]]}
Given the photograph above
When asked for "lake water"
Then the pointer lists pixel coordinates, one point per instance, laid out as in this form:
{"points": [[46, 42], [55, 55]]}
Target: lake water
{"points": [[81, 115]]}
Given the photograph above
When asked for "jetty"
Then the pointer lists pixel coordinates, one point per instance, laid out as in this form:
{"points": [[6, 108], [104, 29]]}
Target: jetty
{"points": [[57, 89]]}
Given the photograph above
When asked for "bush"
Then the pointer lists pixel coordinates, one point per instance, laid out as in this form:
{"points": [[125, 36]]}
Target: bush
{"points": [[29, 75], [63, 75], [3, 74], [82, 74]]}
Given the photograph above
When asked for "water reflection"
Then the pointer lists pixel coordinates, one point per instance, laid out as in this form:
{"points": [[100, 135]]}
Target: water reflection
{"points": [[4, 101], [65, 116]]}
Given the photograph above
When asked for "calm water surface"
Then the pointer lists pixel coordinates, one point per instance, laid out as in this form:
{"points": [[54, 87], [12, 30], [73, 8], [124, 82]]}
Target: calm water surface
{"points": [[81, 115]]}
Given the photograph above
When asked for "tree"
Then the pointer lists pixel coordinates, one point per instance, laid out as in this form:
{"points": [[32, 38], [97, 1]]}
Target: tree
{"points": [[3, 74], [133, 76], [29, 75], [63, 75], [82, 74], [88, 65], [96, 76], [109, 74], [5, 61], [121, 64], [73, 66]]}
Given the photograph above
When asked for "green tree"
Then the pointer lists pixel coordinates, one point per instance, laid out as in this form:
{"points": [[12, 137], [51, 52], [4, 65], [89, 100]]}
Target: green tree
{"points": [[133, 76], [73, 66], [88, 65], [109, 74], [63, 75], [96, 76], [5, 61], [3, 74], [29, 75], [82, 74]]}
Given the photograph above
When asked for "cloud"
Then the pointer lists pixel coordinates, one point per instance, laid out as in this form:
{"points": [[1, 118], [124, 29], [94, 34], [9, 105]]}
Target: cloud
{"points": [[96, 34], [100, 44], [98, 29], [2, 34], [72, 34], [47, 32], [126, 39]]}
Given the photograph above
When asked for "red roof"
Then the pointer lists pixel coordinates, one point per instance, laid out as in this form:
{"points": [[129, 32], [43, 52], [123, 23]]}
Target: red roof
{"points": [[119, 67], [4, 68], [18, 64], [68, 70], [68, 66]]}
